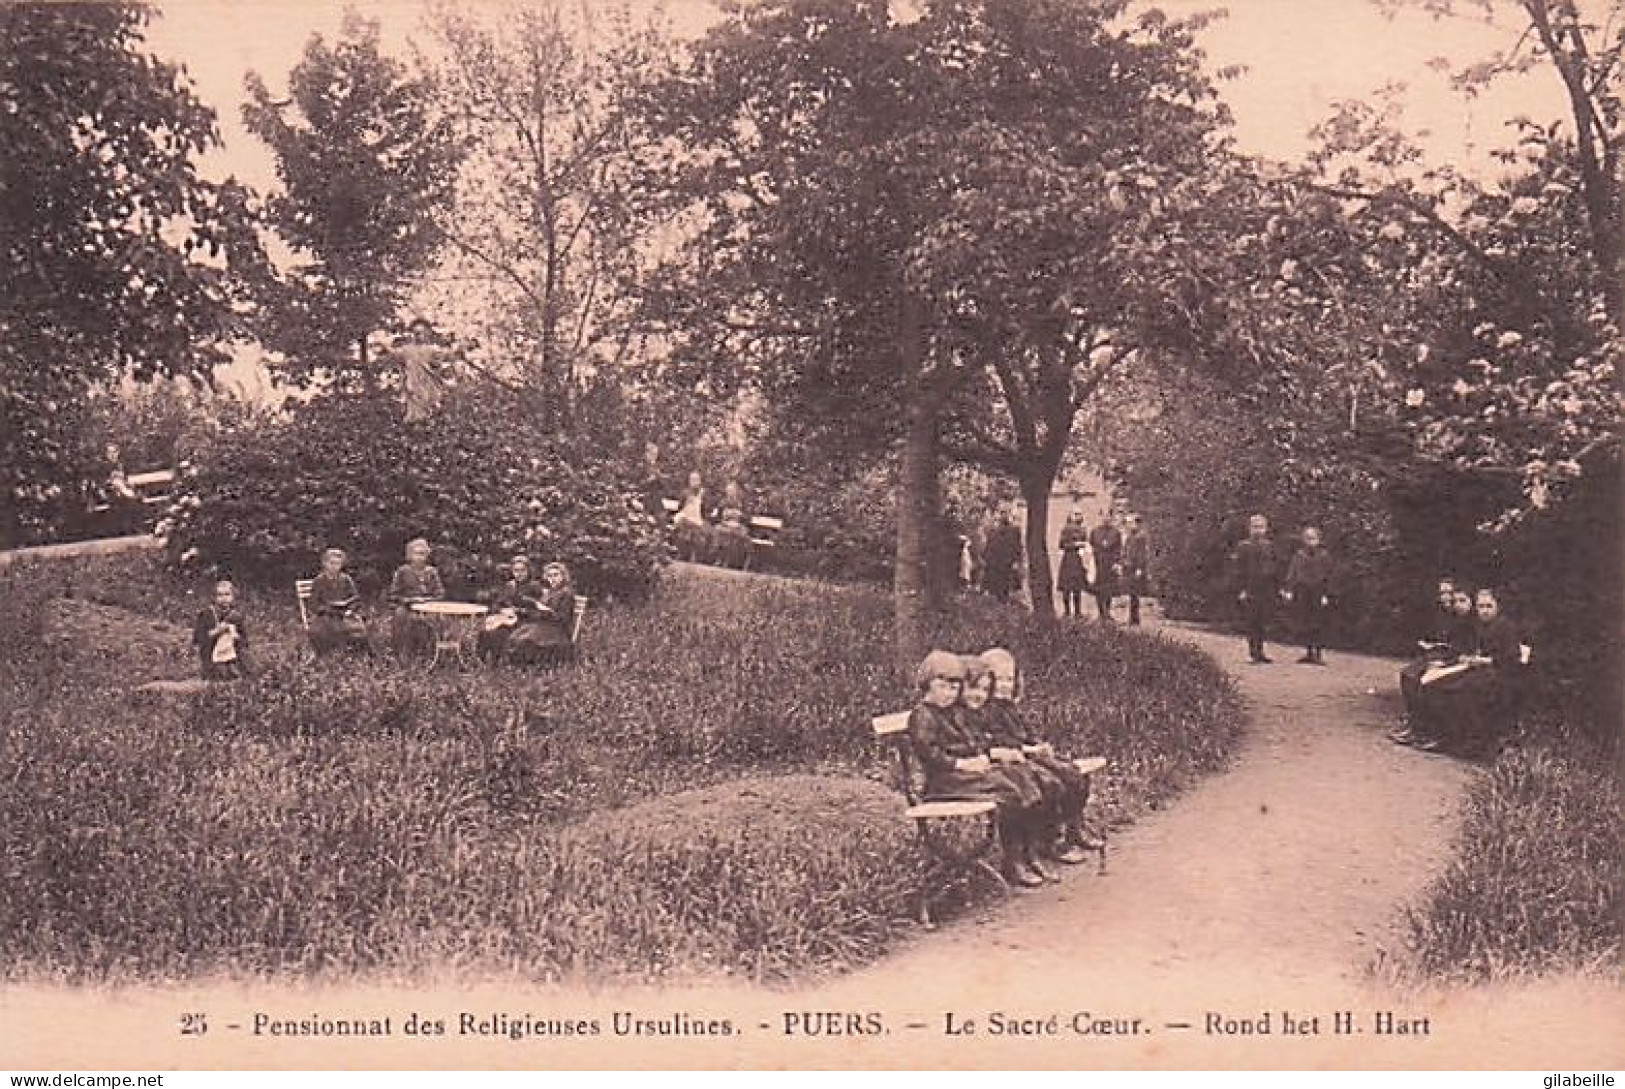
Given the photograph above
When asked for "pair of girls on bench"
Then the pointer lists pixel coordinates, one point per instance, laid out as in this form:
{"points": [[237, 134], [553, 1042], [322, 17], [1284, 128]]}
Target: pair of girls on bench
{"points": [[971, 742]]}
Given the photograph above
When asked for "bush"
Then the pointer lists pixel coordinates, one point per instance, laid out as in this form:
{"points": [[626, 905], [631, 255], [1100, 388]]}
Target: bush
{"points": [[1535, 883], [700, 793], [474, 479]]}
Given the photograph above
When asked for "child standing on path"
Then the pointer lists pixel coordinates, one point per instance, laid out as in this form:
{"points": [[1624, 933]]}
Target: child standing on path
{"points": [[1309, 588], [1256, 576]]}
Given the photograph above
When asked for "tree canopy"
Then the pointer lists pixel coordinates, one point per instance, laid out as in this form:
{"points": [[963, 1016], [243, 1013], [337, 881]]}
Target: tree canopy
{"points": [[364, 163], [114, 251]]}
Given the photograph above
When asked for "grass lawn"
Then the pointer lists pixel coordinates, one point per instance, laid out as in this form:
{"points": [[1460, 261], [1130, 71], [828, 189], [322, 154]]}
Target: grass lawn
{"points": [[699, 796]]}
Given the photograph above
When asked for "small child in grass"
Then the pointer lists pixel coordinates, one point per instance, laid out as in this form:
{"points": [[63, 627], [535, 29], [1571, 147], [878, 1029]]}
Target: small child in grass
{"points": [[221, 637], [1066, 787], [957, 766]]}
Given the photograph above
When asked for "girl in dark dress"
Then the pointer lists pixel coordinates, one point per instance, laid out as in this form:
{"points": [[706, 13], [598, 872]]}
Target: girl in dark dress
{"points": [[415, 581], [1309, 589], [956, 763], [1066, 787], [513, 628], [1074, 578], [221, 636], [336, 623]]}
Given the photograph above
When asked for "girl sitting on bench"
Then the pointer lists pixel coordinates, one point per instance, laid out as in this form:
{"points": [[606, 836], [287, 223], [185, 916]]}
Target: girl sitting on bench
{"points": [[957, 766], [1066, 788]]}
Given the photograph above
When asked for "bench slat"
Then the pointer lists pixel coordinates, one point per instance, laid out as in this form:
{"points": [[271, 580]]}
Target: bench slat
{"points": [[957, 808]]}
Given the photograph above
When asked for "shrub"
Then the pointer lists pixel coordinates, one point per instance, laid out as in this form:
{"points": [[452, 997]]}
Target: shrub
{"points": [[474, 478], [1535, 882]]}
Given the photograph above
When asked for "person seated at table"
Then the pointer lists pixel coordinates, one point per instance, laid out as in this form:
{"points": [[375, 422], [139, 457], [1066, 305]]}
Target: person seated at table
{"points": [[1473, 703], [336, 622], [415, 581], [221, 636], [551, 638], [514, 628]]}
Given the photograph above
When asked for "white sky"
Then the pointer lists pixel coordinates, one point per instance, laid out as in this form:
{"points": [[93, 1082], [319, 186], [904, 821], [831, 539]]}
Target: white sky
{"points": [[1301, 56]]}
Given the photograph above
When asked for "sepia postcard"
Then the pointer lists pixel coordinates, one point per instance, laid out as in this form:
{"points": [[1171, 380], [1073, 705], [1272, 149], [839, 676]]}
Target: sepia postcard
{"points": [[1254, 907]]}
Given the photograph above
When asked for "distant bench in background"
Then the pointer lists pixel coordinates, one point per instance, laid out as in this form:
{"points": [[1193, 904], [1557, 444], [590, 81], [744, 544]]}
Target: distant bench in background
{"points": [[762, 535]]}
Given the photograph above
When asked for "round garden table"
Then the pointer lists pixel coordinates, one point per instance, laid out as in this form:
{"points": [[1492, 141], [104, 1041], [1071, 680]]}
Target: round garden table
{"points": [[455, 625]]}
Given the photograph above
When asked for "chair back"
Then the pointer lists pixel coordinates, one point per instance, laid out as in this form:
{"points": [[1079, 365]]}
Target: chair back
{"points": [[302, 589], [892, 730], [575, 621]]}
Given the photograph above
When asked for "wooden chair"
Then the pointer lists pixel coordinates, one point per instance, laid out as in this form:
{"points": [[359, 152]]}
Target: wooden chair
{"points": [[302, 589], [575, 621], [946, 862]]}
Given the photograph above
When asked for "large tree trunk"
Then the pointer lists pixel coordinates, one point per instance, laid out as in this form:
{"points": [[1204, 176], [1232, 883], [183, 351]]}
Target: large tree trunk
{"points": [[916, 487], [1035, 489]]}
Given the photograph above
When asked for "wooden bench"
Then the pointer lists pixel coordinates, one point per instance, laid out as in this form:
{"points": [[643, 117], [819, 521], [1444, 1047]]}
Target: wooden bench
{"points": [[154, 488], [763, 530], [946, 863]]}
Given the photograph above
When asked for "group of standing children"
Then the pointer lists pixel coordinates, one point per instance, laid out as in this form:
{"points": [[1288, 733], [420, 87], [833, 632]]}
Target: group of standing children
{"points": [[1103, 562], [1259, 579], [972, 742], [1464, 683]]}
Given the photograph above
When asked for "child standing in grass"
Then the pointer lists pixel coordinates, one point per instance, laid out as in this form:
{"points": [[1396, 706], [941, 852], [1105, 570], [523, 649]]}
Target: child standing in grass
{"points": [[1066, 786], [1309, 589], [221, 637], [956, 763], [334, 599], [414, 581]]}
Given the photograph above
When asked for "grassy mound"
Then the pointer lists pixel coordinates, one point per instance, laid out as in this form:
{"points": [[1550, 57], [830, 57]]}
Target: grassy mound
{"points": [[698, 795], [1535, 882]]}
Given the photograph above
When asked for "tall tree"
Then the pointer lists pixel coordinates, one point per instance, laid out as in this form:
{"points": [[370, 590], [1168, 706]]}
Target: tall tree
{"points": [[365, 162], [113, 251], [906, 213], [551, 212]]}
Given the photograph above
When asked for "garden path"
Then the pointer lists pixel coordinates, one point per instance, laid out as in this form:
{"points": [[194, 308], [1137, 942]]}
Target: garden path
{"points": [[1275, 886]]}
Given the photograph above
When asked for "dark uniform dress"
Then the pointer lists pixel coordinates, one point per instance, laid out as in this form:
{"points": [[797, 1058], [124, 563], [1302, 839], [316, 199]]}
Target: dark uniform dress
{"points": [[941, 736], [514, 630], [336, 623], [411, 633], [1000, 576], [1444, 643], [550, 634], [222, 653], [1256, 572], [1309, 580], [1471, 709], [1107, 541], [1136, 570], [1073, 578], [1065, 788]]}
